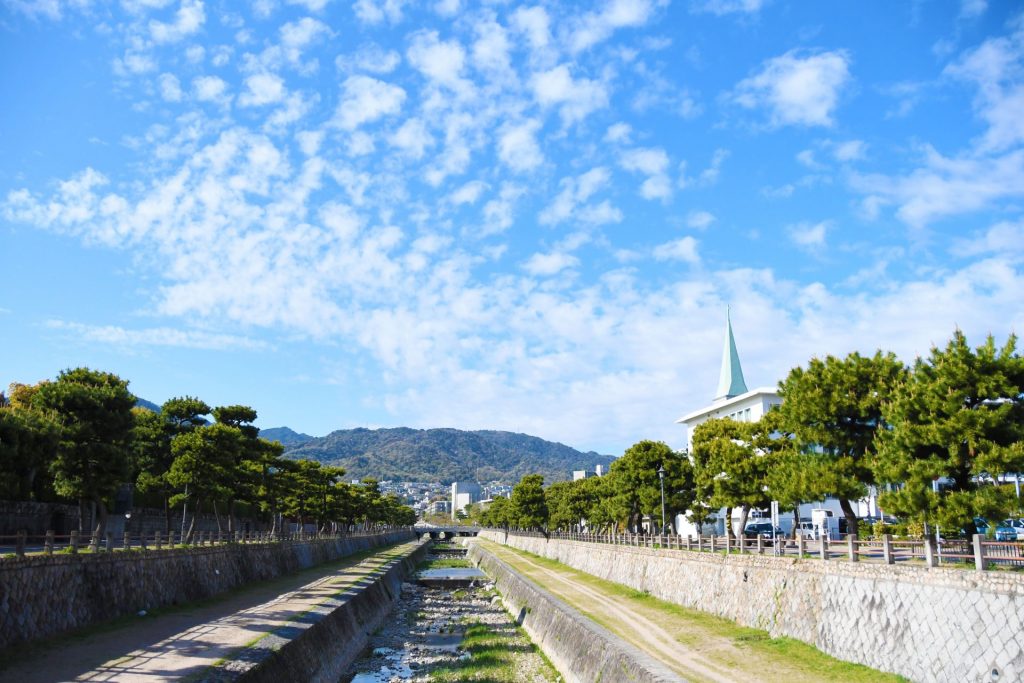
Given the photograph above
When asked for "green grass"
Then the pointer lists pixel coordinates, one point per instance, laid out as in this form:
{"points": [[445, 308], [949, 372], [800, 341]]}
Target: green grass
{"points": [[756, 640], [494, 651], [445, 563]]}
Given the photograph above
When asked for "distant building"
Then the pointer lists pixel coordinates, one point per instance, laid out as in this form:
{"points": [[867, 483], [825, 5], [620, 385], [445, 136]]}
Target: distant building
{"points": [[439, 507], [581, 474], [464, 493], [732, 399]]}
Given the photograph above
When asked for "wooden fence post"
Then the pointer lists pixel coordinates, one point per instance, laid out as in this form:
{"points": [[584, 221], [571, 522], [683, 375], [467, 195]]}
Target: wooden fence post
{"points": [[979, 553], [74, 542], [852, 541], [19, 544], [48, 543], [887, 549]]}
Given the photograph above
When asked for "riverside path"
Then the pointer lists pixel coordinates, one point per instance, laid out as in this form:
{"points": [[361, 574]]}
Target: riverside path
{"points": [[697, 646], [180, 642]]}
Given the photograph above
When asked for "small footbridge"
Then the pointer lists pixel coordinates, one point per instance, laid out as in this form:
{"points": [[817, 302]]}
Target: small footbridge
{"points": [[439, 532]]}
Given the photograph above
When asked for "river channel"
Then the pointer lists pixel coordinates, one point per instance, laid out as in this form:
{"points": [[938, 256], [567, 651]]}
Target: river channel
{"points": [[422, 638]]}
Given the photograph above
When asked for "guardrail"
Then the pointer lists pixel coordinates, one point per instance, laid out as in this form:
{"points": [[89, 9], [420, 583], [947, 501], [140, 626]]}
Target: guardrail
{"points": [[20, 545], [984, 554]]}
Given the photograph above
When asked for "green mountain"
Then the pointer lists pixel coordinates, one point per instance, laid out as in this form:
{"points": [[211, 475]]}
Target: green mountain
{"points": [[288, 438], [445, 455]]}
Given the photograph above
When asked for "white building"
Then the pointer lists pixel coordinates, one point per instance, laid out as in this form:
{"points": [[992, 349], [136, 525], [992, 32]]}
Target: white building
{"points": [[732, 399], [735, 401], [464, 493]]}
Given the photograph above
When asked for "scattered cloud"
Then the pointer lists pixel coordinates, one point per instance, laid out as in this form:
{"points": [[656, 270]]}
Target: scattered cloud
{"points": [[546, 265], [723, 7], [809, 236], [699, 220], [797, 89], [518, 148], [365, 99], [683, 249], [156, 336]]}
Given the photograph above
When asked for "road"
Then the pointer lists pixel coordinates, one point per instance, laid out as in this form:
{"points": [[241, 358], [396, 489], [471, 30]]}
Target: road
{"points": [[176, 643]]}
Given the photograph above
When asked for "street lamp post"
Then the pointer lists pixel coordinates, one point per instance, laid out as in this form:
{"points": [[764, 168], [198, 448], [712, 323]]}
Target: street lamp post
{"points": [[661, 478]]}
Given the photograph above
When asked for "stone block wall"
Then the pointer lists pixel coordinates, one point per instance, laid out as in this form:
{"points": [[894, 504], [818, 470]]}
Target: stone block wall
{"points": [[581, 650], [925, 624], [41, 596]]}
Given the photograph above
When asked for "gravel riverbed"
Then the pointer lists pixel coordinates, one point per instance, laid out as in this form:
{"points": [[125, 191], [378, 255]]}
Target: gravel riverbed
{"points": [[422, 639]]}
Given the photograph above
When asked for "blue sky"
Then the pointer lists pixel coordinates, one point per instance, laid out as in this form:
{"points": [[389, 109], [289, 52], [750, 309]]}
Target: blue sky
{"points": [[496, 215]]}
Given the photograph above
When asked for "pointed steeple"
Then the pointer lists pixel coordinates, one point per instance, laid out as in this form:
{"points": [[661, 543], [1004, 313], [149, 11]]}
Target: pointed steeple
{"points": [[730, 379]]}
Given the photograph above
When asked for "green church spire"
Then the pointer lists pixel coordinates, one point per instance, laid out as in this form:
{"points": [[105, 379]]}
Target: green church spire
{"points": [[730, 379]]}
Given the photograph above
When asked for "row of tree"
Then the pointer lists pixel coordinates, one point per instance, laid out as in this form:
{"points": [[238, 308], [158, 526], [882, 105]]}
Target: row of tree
{"points": [[937, 439], [82, 437]]}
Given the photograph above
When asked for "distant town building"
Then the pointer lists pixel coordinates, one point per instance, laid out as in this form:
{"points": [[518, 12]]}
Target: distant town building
{"points": [[439, 507], [582, 474], [464, 493]]}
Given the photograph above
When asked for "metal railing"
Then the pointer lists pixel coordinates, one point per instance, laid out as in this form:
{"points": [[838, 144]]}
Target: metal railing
{"points": [[978, 551], [22, 544]]}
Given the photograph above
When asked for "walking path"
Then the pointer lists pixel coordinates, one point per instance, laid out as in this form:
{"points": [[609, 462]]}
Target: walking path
{"points": [[697, 646], [183, 641]]}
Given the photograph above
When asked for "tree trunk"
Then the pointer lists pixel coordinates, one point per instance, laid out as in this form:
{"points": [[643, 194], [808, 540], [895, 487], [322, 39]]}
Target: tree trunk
{"points": [[196, 511], [728, 522], [231, 516], [744, 511], [81, 515], [216, 515], [101, 520], [796, 522], [167, 514], [851, 516]]}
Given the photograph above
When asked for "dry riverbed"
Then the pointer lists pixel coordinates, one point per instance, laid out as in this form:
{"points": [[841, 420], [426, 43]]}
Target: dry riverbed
{"points": [[435, 634]]}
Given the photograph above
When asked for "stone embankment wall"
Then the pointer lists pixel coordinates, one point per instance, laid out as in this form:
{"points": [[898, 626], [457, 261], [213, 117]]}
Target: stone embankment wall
{"points": [[581, 650], [926, 624], [42, 595], [321, 645]]}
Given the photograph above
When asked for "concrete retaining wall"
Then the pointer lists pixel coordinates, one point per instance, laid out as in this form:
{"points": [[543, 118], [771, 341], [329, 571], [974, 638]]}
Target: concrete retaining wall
{"points": [[581, 650], [324, 642], [925, 624], [42, 596]]}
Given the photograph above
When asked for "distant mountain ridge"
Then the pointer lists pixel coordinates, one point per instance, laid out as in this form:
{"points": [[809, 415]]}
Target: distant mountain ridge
{"points": [[444, 455]]}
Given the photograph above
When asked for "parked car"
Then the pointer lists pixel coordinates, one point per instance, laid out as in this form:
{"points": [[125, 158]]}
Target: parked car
{"points": [[764, 530], [1010, 530]]}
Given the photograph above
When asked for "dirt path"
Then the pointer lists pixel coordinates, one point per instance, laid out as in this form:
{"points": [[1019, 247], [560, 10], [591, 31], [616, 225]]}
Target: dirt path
{"points": [[182, 641], [696, 646]]}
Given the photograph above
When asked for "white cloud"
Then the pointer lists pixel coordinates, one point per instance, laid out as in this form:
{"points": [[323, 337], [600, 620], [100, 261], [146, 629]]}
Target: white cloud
{"points": [[262, 89], [595, 27], [440, 61], [535, 24], [377, 11], [187, 20], [310, 5], [468, 193], [995, 68], [700, 220], [722, 7], [945, 186], [447, 8], [809, 236], [653, 162], [851, 150], [170, 88], [545, 265], [209, 88], [499, 213], [371, 58], [412, 138], [970, 9], [797, 90], [518, 148], [570, 203], [1002, 239], [577, 98], [683, 249], [158, 336], [365, 99], [619, 132]]}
